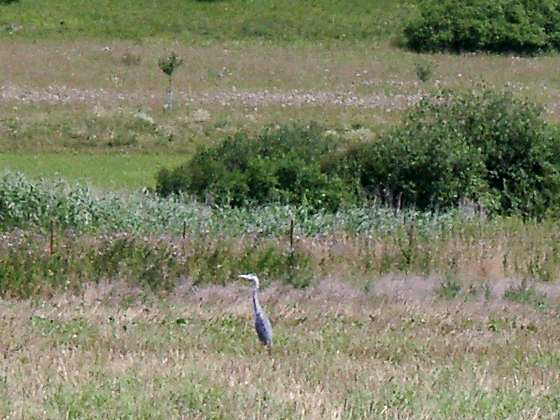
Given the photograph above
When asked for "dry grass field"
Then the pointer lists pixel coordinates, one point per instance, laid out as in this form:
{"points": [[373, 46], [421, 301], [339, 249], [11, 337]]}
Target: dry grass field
{"points": [[467, 339], [105, 95], [114, 352]]}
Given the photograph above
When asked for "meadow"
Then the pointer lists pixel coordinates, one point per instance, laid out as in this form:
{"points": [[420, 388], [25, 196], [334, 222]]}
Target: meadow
{"points": [[118, 303]]}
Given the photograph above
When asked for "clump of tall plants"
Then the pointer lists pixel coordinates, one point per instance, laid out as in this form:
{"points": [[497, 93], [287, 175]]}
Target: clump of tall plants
{"points": [[482, 146], [288, 165], [525, 26]]}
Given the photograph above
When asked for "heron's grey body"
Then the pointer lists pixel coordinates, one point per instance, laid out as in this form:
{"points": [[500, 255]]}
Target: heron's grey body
{"points": [[262, 323]]}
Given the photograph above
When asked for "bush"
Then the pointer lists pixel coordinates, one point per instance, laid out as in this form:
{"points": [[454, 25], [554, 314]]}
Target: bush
{"points": [[289, 164], [485, 146], [525, 26]]}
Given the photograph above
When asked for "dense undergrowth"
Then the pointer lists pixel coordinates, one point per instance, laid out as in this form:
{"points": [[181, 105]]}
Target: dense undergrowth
{"points": [[30, 204], [151, 252], [289, 164], [526, 26], [483, 146]]}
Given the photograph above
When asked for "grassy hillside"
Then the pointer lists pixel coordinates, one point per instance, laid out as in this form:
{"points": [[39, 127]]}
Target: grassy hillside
{"points": [[276, 20]]}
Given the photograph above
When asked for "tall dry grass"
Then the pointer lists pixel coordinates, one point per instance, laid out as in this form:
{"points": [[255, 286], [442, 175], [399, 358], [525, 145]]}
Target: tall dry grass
{"points": [[67, 95], [339, 353]]}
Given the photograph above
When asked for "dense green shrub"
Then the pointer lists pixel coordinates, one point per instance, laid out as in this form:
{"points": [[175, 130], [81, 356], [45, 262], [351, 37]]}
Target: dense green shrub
{"points": [[289, 164], [492, 25], [420, 165], [485, 146]]}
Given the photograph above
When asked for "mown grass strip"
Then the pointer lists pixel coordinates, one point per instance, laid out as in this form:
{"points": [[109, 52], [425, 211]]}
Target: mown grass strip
{"points": [[274, 20], [126, 171]]}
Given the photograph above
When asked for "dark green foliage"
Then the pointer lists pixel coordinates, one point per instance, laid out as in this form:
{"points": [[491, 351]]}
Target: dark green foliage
{"points": [[170, 63], [482, 146], [289, 164], [524, 26], [420, 165], [7, 1], [486, 147]]}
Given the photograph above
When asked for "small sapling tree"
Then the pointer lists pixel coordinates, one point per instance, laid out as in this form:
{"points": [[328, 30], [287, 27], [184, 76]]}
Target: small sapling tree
{"points": [[168, 65]]}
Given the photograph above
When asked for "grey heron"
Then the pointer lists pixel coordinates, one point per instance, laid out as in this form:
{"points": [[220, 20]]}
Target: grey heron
{"points": [[262, 324]]}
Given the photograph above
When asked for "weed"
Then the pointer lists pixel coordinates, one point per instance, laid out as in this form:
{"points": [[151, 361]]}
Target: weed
{"points": [[424, 70], [72, 333], [450, 288], [525, 293], [131, 59]]}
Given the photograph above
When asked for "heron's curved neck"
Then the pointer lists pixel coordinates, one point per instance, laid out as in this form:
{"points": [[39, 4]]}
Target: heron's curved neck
{"points": [[256, 303]]}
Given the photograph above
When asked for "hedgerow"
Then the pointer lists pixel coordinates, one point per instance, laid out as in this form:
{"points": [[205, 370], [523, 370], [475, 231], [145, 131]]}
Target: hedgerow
{"points": [[524, 26]]}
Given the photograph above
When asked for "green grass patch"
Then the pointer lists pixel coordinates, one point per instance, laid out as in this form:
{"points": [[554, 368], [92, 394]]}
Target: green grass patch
{"points": [[129, 396], [449, 288], [112, 171], [189, 19], [73, 333]]}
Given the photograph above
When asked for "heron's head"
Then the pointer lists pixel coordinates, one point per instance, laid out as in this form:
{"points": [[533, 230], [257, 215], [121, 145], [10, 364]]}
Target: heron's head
{"points": [[251, 277]]}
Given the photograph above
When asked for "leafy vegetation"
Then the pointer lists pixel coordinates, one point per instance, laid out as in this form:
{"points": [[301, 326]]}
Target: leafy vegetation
{"points": [[154, 243], [525, 26], [286, 165], [449, 289], [168, 65], [484, 146], [151, 263], [31, 204], [526, 293]]}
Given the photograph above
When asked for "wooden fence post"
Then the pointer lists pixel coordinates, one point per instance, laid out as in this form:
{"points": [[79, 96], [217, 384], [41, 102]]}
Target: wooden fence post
{"points": [[292, 235], [51, 237]]}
